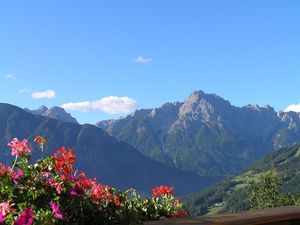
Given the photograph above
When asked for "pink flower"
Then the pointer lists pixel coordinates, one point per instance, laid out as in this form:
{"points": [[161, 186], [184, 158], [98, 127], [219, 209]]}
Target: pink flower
{"points": [[55, 210], [73, 192], [26, 217], [18, 174], [19, 148], [1, 219], [45, 174], [6, 208], [57, 185]]}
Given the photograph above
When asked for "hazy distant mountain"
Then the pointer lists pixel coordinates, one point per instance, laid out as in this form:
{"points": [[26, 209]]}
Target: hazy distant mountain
{"points": [[206, 134], [113, 162], [231, 195], [54, 113]]}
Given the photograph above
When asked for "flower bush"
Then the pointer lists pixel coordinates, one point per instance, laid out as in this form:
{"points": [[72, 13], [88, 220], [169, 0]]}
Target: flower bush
{"points": [[51, 192]]}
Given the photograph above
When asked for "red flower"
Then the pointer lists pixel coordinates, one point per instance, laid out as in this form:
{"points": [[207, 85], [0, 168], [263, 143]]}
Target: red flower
{"points": [[41, 141], [117, 200], [64, 159], [180, 214], [11, 173], [100, 193], [38, 139], [84, 183], [3, 170], [162, 191]]}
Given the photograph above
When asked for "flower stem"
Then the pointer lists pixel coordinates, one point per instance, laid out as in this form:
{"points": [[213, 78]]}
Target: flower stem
{"points": [[14, 163]]}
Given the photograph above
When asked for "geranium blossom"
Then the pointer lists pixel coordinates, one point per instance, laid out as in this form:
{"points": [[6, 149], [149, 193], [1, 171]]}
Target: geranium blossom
{"points": [[56, 184], [64, 159], [2, 169], [51, 180], [18, 174], [19, 148], [100, 193], [117, 200], [55, 210], [10, 172], [73, 192], [180, 214], [26, 217], [161, 191], [6, 208], [41, 141], [84, 183]]}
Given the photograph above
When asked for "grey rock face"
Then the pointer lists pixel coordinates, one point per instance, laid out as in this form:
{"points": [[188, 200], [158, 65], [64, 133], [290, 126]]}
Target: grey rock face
{"points": [[55, 112]]}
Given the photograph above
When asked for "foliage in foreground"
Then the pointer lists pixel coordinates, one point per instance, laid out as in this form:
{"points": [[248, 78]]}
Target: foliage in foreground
{"points": [[50, 192], [230, 195], [266, 192]]}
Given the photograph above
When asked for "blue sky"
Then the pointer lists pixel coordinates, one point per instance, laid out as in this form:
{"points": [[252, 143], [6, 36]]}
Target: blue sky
{"points": [[148, 52]]}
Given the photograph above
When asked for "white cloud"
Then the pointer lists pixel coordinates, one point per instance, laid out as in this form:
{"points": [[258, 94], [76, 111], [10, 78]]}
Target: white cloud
{"points": [[293, 107], [10, 77], [81, 106], [43, 94], [111, 105], [26, 90], [141, 59]]}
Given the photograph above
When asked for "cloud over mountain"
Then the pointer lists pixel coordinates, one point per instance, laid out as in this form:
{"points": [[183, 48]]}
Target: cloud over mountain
{"points": [[43, 94], [110, 104], [293, 107]]}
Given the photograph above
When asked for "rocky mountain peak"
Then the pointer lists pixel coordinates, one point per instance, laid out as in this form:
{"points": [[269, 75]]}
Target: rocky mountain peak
{"points": [[42, 109], [206, 107], [197, 94], [55, 112], [252, 107], [258, 108], [267, 106], [291, 119], [56, 109]]}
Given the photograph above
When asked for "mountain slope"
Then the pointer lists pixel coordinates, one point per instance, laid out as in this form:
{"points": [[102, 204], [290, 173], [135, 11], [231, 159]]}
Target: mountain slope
{"points": [[113, 162], [230, 194], [206, 134]]}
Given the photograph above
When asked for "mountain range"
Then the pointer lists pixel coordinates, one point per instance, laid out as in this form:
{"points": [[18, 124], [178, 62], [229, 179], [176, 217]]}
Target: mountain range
{"points": [[205, 134], [100, 155], [189, 145]]}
